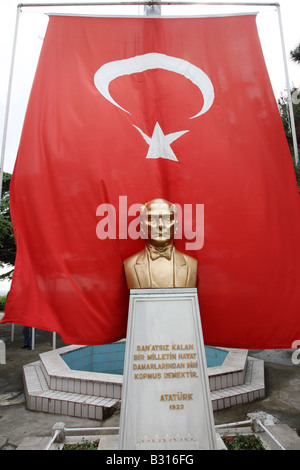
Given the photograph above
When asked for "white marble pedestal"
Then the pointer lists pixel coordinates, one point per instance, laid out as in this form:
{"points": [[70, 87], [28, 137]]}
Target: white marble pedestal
{"points": [[166, 401]]}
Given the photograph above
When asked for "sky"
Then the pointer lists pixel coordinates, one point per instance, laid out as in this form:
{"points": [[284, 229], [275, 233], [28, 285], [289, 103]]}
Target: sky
{"points": [[32, 26]]}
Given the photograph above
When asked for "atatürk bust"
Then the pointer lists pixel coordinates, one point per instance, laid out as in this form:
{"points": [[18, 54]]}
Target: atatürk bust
{"points": [[159, 264]]}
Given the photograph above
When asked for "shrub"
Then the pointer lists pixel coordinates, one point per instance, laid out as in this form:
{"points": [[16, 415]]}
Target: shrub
{"points": [[2, 302], [83, 445], [243, 442]]}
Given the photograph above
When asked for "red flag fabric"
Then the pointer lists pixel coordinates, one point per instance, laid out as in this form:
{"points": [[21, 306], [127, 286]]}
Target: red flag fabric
{"points": [[124, 110]]}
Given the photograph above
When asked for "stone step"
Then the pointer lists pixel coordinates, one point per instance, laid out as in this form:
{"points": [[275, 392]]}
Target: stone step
{"points": [[231, 373], [92, 397], [39, 397], [252, 389], [60, 377]]}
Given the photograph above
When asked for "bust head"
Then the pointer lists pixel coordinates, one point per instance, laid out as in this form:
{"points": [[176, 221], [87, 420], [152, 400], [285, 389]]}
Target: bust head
{"points": [[158, 222], [158, 219]]}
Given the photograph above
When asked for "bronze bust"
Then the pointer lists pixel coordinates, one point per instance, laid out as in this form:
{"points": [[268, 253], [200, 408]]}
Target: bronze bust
{"points": [[159, 264]]}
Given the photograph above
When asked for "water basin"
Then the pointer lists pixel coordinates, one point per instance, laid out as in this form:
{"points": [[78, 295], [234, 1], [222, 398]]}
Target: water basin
{"points": [[109, 358]]}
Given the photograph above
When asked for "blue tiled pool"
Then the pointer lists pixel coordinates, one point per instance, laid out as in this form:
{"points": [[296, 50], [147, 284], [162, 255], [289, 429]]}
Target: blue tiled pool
{"points": [[214, 356], [109, 358]]}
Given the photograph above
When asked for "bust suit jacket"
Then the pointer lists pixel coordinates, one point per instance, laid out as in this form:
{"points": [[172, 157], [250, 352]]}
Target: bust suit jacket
{"points": [[137, 270]]}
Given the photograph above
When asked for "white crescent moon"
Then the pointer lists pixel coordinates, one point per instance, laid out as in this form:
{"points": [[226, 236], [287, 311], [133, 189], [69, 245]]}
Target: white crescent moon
{"points": [[154, 60]]}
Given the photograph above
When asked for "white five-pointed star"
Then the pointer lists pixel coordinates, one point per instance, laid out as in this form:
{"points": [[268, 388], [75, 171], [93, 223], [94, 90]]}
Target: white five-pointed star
{"points": [[160, 144]]}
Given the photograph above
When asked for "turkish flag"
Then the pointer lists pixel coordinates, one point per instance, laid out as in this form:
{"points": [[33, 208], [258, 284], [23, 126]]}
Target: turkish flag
{"points": [[125, 110]]}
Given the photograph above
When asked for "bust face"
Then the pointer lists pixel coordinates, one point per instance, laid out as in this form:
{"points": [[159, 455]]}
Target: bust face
{"points": [[159, 222]]}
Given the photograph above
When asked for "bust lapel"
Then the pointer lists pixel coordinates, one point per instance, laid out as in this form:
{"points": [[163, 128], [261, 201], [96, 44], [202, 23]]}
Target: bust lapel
{"points": [[181, 269], [142, 270]]}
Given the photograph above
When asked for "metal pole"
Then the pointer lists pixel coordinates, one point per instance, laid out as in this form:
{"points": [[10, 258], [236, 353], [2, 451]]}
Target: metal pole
{"points": [[152, 9], [88, 430], [270, 434], [57, 432], [288, 86], [262, 4], [8, 99], [12, 332], [233, 425], [33, 339]]}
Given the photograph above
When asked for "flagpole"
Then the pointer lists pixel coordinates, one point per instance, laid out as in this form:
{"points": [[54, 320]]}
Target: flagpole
{"points": [[8, 99], [152, 9], [290, 102], [149, 3]]}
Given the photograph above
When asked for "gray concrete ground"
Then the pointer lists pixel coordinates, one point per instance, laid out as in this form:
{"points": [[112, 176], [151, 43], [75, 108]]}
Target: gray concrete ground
{"points": [[16, 423]]}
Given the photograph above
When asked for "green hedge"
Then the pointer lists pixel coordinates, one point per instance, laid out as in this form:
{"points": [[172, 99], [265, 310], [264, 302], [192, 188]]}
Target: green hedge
{"points": [[2, 302]]}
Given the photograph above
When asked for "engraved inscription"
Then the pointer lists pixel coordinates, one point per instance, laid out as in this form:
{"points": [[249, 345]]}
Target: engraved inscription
{"points": [[165, 361], [176, 396]]}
